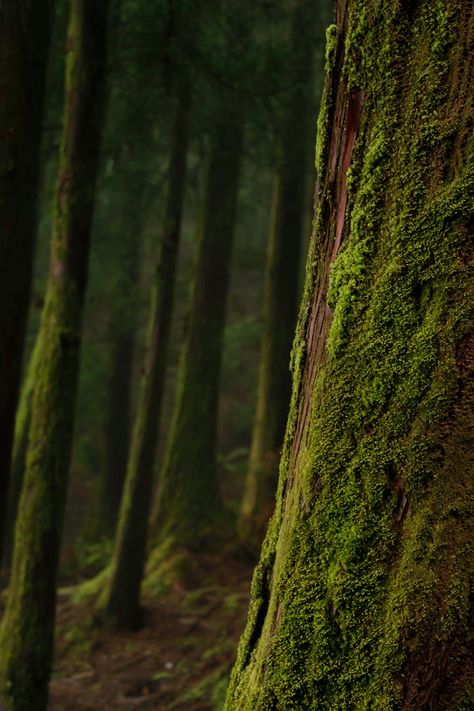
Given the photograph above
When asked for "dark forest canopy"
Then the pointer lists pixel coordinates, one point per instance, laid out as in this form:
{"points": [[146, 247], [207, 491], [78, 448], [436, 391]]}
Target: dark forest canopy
{"points": [[168, 422]]}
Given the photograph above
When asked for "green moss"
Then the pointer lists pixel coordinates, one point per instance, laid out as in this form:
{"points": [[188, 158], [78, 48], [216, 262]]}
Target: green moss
{"points": [[361, 597], [331, 44], [26, 634], [22, 424], [326, 104]]}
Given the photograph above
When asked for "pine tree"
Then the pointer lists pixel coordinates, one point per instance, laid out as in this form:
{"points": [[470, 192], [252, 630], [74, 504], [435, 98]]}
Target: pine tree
{"points": [[361, 598]]}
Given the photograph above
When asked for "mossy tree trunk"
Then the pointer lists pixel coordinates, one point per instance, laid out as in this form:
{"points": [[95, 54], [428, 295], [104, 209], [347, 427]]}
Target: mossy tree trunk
{"points": [[20, 446], [189, 504], [362, 598], [119, 603], [25, 28], [281, 290], [26, 634]]}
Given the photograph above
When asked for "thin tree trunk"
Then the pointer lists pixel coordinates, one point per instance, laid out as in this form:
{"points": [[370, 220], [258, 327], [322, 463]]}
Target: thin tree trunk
{"points": [[281, 290], [189, 504], [362, 598], [120, 601], [117, 431], [122, 327], [25, 28], [20, 446], [26, 634]]}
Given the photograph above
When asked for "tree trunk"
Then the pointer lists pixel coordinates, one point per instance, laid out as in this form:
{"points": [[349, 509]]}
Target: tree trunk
{"points": [[361, 598], [120, 602], [26, 635], [20, 446], [189, 503], [281, 284], [25, 28], [122, 328], [117, 431]]}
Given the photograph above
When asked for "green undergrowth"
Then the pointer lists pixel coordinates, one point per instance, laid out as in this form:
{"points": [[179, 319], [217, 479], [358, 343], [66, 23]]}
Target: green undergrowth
{"points": [[211, 687], [89, 590], [361, 597]]}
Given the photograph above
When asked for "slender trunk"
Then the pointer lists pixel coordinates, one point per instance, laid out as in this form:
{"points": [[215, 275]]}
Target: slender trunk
{"points": [[122, 328], [281, 290], [361, 598], [117, 431], [26, 634], [189, 504], [120, 602], [25, 28], [20, 446]]}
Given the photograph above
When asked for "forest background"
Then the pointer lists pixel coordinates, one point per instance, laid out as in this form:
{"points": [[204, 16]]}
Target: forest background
{"points": [[177, 90]]}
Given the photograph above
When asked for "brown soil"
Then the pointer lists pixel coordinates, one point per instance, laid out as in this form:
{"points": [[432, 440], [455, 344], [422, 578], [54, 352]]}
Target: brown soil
{"points": [[179, 660]]}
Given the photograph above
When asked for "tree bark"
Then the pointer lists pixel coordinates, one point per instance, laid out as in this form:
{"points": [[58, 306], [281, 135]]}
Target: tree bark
{"points": [[117, 431], [20, 446], [122, 327], [281, 290], [361, 596], [120, 602], [25, 28], [26, 634], [189, 504]]}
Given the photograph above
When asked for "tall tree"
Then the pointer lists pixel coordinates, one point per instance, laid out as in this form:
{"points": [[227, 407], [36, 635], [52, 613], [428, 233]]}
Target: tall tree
{"points": [[130, 158], [49, 140], [20, 446], [25, 28], [282, 275], [122, 332], [26, 634], [362, 598], [189, 504], [120, 601]]}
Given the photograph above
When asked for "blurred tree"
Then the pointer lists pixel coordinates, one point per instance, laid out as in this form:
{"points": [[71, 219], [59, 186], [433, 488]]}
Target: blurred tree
{"points": [[361, 598], [282, 270], [48, 148], [27, 626], [189, 504], [20, 446], [119, 603], [131, 154], [122, 334], [24, 39]]}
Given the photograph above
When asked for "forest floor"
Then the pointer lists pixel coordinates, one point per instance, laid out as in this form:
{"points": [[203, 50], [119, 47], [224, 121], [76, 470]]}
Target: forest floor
{"points": [[180, 659]]}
